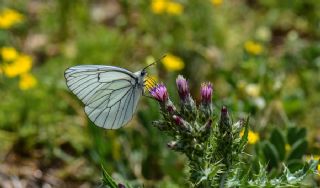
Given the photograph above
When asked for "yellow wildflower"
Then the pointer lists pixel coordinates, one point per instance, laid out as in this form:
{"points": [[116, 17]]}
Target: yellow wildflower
{"points": [[8, 53], [318, 168], [253, 47], [216, 2], [173, 63], [21, 65], [174, 8], [253, 137], [158, 6], [288, 147], [9, 17], [253, 90], [241, 84], [314, 157], [165, 6], [27, 81]]}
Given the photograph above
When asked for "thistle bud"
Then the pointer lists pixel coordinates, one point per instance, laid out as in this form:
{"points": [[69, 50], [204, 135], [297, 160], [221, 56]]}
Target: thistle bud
{"points": [[161, 125], [159, 92], [224, 113], [188, 107], [224, 124], [206, 130], [225, 136], [206, 93], [170, 107], [180, 122], [183, 88], [120, 185], [207, 126], [206, 101], [224, 109]]}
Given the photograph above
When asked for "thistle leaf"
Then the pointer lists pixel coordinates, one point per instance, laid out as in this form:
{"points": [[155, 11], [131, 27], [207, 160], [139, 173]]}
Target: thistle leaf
{"points": [[107, 179], [244, 138]]}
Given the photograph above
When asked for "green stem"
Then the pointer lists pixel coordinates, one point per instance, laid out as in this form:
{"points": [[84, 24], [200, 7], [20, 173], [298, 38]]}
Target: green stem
{"points": [[223, 179]]}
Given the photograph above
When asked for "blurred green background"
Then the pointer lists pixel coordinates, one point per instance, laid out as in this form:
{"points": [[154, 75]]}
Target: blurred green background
{"points": [[262, 56]]}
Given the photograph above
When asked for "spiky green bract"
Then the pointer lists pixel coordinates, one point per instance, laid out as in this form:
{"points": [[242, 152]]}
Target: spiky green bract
{"points": [[238, 178]]}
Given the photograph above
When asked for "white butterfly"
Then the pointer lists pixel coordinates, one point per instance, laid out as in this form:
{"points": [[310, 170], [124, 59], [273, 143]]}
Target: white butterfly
{"points": [[110, 94]]}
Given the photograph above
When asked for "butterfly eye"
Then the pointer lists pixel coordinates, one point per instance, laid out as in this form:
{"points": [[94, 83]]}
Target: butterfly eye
{"points": [[143, 73]]}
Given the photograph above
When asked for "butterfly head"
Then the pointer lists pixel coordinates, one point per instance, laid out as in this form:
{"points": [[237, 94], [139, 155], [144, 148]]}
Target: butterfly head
{"points": [[143, 73], [148, 81]]}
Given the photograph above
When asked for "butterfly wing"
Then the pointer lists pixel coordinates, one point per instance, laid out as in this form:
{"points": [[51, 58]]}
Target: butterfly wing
{"points": [[110, 94]]}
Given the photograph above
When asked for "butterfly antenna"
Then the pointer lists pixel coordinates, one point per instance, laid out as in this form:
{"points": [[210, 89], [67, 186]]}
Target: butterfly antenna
{"points": [[157, 61]]}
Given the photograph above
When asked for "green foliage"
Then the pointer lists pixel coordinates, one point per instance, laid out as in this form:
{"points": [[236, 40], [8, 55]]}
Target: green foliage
{"points": [[107, 179], [278, 140], [295, 133], [271, 154], [286, 146]]}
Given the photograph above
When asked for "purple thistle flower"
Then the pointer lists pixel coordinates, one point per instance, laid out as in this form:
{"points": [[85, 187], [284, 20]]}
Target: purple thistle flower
{"points": [[206, 93], [159, 92], [183, 87]]}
